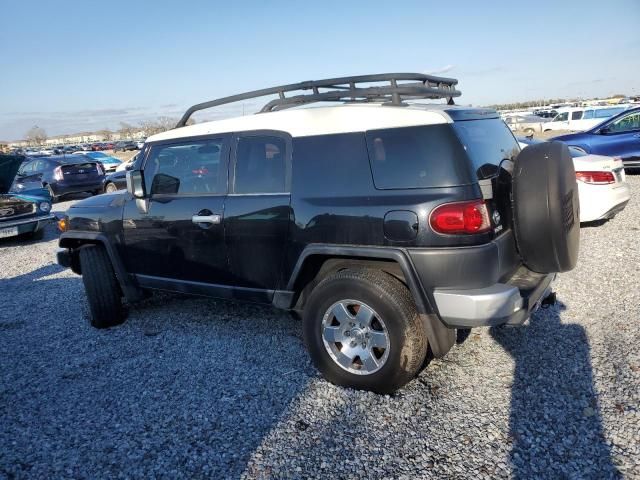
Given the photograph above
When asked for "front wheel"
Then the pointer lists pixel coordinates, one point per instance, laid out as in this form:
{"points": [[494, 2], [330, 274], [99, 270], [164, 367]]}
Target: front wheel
{"points": [[110, 187], [101, 286], [362, 330]]}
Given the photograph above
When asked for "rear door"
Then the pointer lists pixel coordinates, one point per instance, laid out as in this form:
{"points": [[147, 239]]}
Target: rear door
{"points": [[175, 236], [257, 212]]}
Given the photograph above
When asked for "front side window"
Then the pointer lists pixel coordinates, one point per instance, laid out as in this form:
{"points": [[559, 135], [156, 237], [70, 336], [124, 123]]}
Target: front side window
{"points": [[260, 165], [627, 123], [576, 115], [562, 117], [27, 168], [189, 168]]}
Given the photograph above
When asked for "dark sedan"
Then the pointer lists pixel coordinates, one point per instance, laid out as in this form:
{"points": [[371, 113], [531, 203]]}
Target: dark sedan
{"points": [[24, 208], [618, 137], [125, 146], [62, 175], [115, 181]]}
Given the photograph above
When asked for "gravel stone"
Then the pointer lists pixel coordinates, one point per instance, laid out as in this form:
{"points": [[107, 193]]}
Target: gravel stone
{"points": [[190, 387]]}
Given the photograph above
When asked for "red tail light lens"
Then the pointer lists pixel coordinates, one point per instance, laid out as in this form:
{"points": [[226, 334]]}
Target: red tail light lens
{"points": [[57, 174], [461, 217], [596, 178]]}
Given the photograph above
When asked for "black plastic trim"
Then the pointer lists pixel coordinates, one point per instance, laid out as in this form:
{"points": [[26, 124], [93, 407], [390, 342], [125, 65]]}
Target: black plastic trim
{"points": [[205, 289], [441, 338], [129, 289]]}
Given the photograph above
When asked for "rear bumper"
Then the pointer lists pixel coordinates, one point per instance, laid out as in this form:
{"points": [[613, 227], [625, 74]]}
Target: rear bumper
{"points": [[598, 202], [480, 285], [501, 303], [66, 188]]}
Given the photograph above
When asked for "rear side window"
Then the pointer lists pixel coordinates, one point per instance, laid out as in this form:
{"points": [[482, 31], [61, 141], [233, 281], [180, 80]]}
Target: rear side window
{"points": [[260, 165], [588, 114], [416, 157], [488, 143]]}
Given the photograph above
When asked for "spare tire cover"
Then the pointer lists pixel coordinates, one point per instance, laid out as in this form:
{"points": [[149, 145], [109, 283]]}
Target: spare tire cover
{"points": [[546, 208]]}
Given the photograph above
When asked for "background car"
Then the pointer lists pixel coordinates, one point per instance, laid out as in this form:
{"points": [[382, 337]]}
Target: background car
{"points": [[601, 180], [108, 162], [115, 181], [617, 137], [24, 208], [128, 164], [579, 119], [125, 146], [62, 175], [527, 124]]}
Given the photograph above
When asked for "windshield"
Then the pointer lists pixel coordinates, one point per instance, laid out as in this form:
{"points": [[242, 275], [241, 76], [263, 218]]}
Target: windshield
{"points": [[488, 143]]}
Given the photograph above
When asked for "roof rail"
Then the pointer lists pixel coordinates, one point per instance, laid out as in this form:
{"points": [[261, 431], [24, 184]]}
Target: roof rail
{"points": [[395, 88]]}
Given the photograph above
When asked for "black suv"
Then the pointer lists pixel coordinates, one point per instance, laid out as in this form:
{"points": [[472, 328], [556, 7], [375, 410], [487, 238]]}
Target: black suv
{"points": [[386, 226]]}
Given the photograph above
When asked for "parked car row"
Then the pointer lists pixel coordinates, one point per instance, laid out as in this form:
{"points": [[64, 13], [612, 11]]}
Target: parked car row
{"points": [[42, 151]]}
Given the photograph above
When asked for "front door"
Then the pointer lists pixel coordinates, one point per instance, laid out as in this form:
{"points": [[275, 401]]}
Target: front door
{"points": [[175, 236], [258, 213]]}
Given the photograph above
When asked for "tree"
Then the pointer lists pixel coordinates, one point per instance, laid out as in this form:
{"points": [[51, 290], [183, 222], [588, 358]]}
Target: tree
{"points": [[36, 135], [126, 130], [106, 134]]}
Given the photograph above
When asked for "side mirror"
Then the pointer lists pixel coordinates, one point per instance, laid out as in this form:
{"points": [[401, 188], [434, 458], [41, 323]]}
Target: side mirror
{"points": [[128, 166], [604, 131], [135, 183]]}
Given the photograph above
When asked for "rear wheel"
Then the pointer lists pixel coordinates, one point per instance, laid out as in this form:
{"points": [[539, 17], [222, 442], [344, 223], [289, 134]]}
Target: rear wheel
{"points": [[101, 286], [362, 330], [110, 187]]}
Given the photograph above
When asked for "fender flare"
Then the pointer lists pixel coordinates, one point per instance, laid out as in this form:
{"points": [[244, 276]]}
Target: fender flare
{"points": [[441, 338], [75, 240]]}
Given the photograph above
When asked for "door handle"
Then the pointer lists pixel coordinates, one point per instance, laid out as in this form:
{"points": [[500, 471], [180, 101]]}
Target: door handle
{"points": [[212, 219]]}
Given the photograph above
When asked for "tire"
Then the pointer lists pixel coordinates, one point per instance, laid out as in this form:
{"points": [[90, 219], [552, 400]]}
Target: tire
{"points": [[110, 187], [392, 319], [101, 286], [529, 131], [546, 208]]}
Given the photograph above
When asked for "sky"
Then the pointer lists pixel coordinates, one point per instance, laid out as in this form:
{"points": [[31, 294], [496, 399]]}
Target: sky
{"points": [[71, 66]]}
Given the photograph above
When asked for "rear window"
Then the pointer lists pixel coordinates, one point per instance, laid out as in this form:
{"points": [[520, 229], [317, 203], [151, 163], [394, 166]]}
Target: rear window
{"points": [[416, 157], [487, 142]]}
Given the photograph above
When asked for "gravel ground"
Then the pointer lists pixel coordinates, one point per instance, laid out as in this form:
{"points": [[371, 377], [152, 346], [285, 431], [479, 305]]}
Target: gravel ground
{"points": [[191, 388]]}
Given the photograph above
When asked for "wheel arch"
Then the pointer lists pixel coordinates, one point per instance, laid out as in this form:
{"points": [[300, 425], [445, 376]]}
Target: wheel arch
{"points": [[74, 241], [318, 261]]}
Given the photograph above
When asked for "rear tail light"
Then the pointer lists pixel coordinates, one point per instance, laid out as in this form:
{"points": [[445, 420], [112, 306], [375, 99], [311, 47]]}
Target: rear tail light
{"points": [[461, 217], [596, 178], [57, 174]]}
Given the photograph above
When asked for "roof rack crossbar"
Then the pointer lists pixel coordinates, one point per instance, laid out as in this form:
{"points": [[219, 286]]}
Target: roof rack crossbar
{"points": [[345, 89]]}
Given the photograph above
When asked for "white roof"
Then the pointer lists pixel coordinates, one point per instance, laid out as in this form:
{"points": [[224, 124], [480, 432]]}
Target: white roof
{"points": [[305, 122]]}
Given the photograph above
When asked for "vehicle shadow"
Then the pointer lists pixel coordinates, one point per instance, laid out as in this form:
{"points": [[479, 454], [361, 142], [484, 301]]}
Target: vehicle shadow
{"points": [[554, 422], [187, 386]]}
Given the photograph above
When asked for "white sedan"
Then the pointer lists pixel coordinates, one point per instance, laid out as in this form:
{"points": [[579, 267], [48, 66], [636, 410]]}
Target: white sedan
{"points": [[602, 185]]}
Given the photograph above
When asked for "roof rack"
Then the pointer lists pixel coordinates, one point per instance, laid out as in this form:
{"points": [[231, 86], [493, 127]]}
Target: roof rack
{"points": [[394, 88]]}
